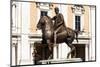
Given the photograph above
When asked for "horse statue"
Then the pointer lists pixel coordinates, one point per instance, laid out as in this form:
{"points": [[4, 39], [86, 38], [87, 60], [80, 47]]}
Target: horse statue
{"points": [[64, 34]]}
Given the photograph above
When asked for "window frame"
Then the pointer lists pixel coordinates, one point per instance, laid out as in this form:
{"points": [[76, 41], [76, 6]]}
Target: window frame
{"points": [[77, 21], [46, 12]]}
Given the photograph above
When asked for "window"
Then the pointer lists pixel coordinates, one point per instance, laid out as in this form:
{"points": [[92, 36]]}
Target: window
{"points": [[78, 23], [43, 13]]}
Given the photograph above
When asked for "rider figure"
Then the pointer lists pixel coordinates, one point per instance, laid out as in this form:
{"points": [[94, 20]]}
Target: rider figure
{"points": [[58, 20]]}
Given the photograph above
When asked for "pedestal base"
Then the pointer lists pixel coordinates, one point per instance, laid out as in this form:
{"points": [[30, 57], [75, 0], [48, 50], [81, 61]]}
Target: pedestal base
{"points": [[51, 61]]}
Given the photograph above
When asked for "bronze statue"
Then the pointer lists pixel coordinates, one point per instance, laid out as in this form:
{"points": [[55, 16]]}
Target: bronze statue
{"points": [[58, 20], [64, 34]]}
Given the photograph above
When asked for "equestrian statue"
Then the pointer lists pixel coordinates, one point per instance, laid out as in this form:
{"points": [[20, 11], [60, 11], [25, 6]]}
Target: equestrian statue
{"points": [[55, 31]]}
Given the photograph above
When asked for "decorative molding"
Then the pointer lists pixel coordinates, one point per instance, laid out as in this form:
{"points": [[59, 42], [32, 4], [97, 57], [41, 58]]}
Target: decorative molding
{"points": [[78, 8], [46, 5]]}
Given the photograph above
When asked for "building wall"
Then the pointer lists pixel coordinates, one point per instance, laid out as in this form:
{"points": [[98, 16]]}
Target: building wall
{"points": [[33, 17], [70, 17], [86, 19]]}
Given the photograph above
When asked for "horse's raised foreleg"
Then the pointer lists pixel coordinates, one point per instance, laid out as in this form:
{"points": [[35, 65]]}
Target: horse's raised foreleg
{"points": [[73, 49]]}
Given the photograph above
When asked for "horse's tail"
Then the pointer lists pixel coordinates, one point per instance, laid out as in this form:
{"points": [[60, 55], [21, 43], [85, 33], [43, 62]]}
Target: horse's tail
{"points": [[76, 33]]}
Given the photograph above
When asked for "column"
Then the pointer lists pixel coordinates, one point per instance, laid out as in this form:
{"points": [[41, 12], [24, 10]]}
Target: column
{"points": [[25, 59], [92, 46]]}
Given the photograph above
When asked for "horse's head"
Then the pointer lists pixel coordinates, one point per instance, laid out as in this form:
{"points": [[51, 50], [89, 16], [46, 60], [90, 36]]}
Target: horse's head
{"points": [[41, 23], [45, 22], [46, 25]]}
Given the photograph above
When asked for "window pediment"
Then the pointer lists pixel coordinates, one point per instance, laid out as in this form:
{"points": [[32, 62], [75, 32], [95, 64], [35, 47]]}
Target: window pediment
{"points": [[78, 9], [44, 5]]}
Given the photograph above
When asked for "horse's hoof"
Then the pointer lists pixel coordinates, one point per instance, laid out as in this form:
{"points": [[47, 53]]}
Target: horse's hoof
{"points": [[67, 57], [74, 56], [48, 62]]}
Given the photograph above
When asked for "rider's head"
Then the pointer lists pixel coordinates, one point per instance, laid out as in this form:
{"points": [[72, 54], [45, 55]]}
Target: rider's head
{"points": [[56, 10]]}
